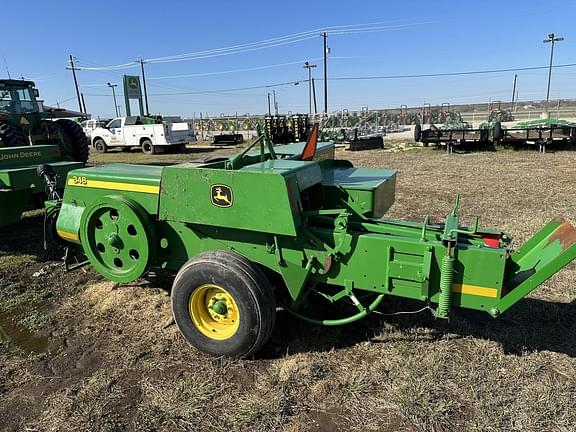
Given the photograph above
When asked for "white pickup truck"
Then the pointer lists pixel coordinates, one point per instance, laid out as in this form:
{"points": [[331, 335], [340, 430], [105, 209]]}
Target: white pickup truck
{"points": [[151, 134], [91, 125]]}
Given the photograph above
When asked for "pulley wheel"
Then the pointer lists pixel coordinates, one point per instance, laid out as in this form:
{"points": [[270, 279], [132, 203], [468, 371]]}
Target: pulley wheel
{"points": [[117, 236]]}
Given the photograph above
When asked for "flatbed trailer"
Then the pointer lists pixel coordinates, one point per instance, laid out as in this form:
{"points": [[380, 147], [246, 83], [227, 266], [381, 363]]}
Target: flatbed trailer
{"points": [[452, 138], [540, 136]]}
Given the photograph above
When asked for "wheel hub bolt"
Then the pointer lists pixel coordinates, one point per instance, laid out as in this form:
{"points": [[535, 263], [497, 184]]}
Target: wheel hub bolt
{"points": [[220, 307], [114, 240]]}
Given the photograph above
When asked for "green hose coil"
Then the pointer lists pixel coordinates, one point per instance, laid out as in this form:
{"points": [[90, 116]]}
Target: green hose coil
{"points": [[446, 279]]}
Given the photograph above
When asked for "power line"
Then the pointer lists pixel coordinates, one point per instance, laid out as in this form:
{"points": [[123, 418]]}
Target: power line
{"points": [[231, 71], [201, 54], [443, 74], [222, 90], [440, 74], [263, 44]]}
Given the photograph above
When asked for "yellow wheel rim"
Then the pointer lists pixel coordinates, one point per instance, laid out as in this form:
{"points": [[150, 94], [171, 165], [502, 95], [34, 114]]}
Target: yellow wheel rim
{"points": [[214, 312]]}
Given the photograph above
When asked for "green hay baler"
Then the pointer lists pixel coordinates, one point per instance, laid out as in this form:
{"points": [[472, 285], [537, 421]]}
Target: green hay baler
{"points": [[248, 233]]}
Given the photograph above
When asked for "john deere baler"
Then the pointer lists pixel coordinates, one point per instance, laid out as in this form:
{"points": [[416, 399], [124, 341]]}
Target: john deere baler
{"points": [[250, 232], [20, 187]]}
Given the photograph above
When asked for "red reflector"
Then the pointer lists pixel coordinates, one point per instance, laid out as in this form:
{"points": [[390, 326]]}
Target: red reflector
{"points": [[491, 240]]}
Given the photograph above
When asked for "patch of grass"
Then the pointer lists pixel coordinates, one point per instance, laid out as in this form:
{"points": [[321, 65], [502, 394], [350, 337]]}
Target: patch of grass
{"points": [[177, 403], [259, 411], [86, 406], [8, 261], [34, 320]]}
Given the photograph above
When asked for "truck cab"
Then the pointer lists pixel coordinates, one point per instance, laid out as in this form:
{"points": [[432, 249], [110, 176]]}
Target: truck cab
{"points": [[90, 125]]}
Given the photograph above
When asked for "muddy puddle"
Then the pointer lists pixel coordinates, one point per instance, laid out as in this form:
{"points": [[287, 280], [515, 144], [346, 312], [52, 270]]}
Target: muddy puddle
{"points": [[21, 337]]}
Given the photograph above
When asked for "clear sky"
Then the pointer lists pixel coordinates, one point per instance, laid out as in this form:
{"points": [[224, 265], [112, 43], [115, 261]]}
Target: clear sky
{"points": [[411, 37]]}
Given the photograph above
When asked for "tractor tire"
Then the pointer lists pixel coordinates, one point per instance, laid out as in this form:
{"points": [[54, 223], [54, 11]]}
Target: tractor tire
{"points": [[100, 145], [147, 147], [76, 139], [497, 133], [246, 315], [55, 132], [11, 136], [417, 132]]}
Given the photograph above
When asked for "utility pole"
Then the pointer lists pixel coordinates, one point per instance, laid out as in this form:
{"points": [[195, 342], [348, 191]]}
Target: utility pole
{"points": [[513, 91], [83, 102], [325, 37], [309, 66], [551, 39], [314, 95], [114, 96], [201, 127], [141, 61], [275, 103], [269, 110], [73, 67]]}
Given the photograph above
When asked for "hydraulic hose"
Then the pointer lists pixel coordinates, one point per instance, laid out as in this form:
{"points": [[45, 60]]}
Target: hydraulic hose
{"points": [[341, 321]]}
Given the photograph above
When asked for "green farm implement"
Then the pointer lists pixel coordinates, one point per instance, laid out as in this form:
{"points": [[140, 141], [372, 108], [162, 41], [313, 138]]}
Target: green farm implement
{"points": [[539, 133], [28, 138], [285, 227]]}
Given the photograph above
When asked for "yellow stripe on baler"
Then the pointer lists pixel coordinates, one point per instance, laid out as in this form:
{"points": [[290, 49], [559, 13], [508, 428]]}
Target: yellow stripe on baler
{"points": [[127, 187], [67, 235], [475, 290]]}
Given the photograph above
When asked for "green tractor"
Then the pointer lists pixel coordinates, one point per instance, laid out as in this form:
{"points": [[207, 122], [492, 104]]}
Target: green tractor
{"points": [[496, 113], [29, 137]]}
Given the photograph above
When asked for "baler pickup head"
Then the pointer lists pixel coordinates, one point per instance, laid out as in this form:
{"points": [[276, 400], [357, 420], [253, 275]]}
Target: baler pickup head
{"points": [[547, 252]]}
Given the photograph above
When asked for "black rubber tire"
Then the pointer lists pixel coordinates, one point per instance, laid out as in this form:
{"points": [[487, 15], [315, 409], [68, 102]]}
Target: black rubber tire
{"points": [[497, 133], [417, 132], [11, 136], [53, 240], [76, 139], [147, 147], [56, 133], [100, 145], [248, 286]]}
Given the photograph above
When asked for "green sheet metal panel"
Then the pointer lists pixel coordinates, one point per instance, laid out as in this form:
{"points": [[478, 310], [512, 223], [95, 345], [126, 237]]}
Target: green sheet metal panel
{"points": [[12, 157], [27, 178], [255, 198], [371, 191], [87, 186]]}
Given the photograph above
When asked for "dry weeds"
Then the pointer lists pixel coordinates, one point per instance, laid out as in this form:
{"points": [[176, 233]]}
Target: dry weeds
{"points": [[111, 365]]}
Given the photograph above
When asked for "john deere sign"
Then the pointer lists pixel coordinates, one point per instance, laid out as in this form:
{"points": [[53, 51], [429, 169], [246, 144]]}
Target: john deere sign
{"points": [[132, 90]]}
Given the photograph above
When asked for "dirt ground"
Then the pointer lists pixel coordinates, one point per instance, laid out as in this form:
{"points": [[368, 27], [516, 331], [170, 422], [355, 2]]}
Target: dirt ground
{"points": [[79, 353]]}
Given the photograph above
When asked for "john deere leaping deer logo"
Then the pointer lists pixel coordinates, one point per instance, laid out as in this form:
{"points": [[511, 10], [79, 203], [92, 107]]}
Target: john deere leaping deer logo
{"points": [[221, 195]]}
